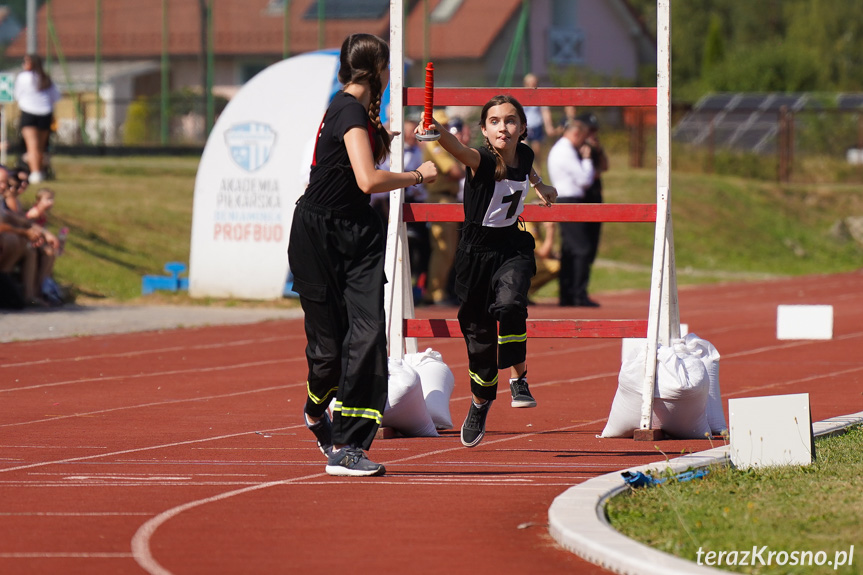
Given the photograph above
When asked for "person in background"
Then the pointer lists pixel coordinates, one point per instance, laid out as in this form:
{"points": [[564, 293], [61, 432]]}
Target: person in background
{"points": [[417, 232], [539, 124], [547, 258], [36, 95], [46, 251], [51, 250], [593, 194], [443, 235], [39, 211], [572, 172], [21, 242], [336, 253]]}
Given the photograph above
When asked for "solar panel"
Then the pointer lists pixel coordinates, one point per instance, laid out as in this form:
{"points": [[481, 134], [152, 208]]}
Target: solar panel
{"points": [[349, 9], [714, 102], [850, 101], [791, 101], [748, 120], [750, 101]]}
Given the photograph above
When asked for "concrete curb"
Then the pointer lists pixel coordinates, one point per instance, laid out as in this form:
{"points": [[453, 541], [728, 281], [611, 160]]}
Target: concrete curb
{"points": [[576, 518], [75, 320]]}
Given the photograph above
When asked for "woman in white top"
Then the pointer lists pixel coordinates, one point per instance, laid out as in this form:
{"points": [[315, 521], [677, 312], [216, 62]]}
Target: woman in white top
{"points": [[36, 95]]}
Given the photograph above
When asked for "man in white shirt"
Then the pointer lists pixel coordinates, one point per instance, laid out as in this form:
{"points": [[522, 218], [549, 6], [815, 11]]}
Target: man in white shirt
{"points": [[572, 172]]}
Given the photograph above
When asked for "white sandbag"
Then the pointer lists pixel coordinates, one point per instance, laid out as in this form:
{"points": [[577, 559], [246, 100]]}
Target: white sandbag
{"points": [[406, 410], [437, 382], [683, 384], [710, 357], [625, 415], [680, 394]]}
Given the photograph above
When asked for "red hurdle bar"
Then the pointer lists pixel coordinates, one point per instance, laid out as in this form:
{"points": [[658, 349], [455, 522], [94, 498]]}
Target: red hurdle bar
{"points": [[536, 213], [624, 97], [547, 328]]}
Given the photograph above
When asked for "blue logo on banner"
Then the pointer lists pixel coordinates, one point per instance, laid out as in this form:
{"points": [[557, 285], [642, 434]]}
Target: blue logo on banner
{"points": [[250, 144]]}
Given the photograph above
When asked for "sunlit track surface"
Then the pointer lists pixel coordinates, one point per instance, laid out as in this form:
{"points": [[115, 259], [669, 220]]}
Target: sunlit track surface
{"points": [[184, 452]]}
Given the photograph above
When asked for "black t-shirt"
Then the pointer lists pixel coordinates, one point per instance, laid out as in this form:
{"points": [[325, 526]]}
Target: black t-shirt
{"points": [[491, 207], [332, 182]]}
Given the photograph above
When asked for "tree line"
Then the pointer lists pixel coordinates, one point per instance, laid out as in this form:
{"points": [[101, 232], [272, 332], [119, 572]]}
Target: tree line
{"points": [[762, 45]]}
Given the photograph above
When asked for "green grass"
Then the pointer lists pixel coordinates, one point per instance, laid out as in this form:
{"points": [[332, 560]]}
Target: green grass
{"points": [[129, 216], [795, 508]]}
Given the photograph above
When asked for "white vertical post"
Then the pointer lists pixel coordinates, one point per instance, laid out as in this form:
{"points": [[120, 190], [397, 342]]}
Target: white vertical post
{"points": [[663, 322], [3, 142], [394, 300], [669, 313]]}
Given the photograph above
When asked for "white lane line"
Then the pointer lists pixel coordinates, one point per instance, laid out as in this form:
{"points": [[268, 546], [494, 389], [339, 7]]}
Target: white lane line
{"points": [[135, 450], [141, 540], [46, 484], [83, 555], [817, 377], [153, 404], [75, 514], [789, 345], [138, 353], [149, 475], [53, 447], [155, 374]]}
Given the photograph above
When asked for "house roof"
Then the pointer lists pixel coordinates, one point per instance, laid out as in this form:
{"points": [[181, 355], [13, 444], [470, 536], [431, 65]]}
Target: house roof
{"points": [[133, 28]]}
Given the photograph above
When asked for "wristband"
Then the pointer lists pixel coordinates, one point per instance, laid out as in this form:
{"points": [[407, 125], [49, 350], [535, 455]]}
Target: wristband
{"points": [[419, 176], [538, 182]]}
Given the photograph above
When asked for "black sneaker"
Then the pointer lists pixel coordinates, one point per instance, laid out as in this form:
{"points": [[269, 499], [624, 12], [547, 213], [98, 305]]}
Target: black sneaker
{"points": [[352, 462], [521, 396], [473, 428], [323, 431]]}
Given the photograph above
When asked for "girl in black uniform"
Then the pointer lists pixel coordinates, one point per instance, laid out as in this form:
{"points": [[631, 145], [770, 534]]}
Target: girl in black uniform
{"points": [[336, 254], [495, 261]]}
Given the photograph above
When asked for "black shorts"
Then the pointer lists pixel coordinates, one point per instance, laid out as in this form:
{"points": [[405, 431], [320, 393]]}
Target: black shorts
{"points": [[29, 120]]}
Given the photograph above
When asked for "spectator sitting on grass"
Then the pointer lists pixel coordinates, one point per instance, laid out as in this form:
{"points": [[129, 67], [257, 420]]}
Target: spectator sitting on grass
{"points": [[31, 252]]}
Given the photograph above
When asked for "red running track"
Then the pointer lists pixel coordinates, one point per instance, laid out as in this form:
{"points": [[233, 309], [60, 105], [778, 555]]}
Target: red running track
{"points": [[184, 451]]}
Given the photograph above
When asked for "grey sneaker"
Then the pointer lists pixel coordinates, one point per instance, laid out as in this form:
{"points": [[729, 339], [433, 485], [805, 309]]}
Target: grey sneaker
{"points": [[352, 462], [521, 396], [323, 430], [473, 428]]}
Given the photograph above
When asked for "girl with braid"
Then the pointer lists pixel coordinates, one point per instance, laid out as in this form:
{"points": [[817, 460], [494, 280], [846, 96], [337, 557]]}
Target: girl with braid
{"points": [[336, 253], [495, 261]]}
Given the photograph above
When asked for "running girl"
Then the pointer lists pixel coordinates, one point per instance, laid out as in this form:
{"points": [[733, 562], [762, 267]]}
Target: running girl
{"points": [[495, 262], [336, 254]]}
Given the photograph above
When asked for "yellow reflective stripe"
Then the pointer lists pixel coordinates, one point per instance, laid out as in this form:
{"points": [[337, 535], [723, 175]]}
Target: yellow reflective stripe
{"points": [[366, 412], [319, 400], [502, 339], [480, 381]]}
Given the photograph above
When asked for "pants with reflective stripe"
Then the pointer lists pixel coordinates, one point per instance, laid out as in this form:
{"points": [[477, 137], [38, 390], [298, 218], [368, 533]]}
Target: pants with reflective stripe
{"points": [[492, 286], [579, 243], [337, 260]]}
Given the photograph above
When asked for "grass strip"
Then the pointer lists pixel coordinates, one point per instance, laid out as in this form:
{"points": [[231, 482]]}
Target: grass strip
{"points": [[803, 515]]}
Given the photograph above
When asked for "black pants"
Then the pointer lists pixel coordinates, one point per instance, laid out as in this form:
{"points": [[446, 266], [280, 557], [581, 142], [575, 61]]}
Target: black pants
{"points": [[492, 285], [337, 259], [579, 242]]}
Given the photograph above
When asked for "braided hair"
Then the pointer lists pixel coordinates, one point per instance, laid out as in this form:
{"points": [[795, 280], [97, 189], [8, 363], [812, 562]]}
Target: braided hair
{"points": [[364, 57], [500, 164]]}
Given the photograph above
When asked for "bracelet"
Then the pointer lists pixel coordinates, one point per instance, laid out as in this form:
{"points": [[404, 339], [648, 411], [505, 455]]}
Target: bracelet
{"points": [[418, 175], [538, 182]]}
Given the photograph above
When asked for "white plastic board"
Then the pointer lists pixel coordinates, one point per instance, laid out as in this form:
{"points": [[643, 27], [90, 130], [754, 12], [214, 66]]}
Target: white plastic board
{"points": [[804, 322], [771, 431]]}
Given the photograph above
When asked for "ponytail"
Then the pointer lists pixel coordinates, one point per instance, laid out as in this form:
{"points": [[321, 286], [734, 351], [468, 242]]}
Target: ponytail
{"points": [[44, 80], [499, 163], [363, 57], [382, 136]]}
